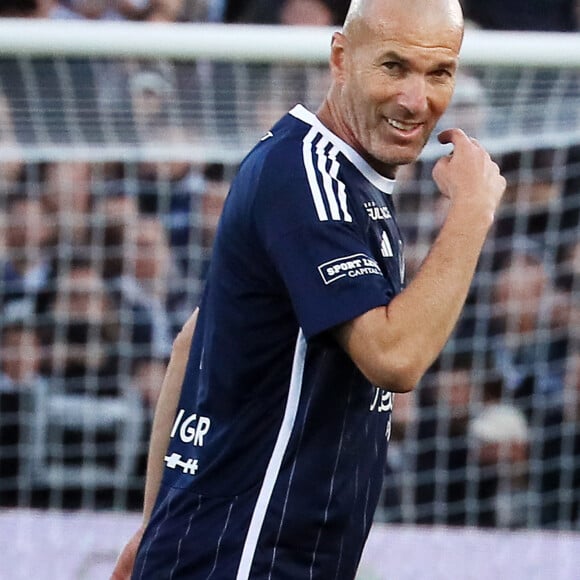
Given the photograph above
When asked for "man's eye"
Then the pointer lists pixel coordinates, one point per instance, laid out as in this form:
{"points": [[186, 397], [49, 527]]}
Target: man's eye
{"points": [[392, 65]]}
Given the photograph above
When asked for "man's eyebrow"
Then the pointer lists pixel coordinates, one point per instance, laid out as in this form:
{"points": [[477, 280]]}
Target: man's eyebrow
{"points": [[445, 63], [448, 63], [393, 55]]}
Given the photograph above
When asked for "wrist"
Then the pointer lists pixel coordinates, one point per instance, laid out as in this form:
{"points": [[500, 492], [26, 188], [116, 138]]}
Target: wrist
{"points": [[472, 216]]}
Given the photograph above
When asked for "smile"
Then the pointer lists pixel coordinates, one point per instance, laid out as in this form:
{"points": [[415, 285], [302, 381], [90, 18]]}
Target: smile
{"points": [[401, 126]]}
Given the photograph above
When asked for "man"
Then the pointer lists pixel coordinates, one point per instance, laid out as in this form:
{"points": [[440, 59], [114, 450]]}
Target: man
{"points": [[278, 442]]}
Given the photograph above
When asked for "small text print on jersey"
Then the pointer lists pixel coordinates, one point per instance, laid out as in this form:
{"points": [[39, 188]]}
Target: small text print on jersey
{"points": [[349, 266]]}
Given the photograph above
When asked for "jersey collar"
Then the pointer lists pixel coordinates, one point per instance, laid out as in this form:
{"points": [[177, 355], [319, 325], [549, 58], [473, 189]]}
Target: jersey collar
{"points": [[381, 182]]}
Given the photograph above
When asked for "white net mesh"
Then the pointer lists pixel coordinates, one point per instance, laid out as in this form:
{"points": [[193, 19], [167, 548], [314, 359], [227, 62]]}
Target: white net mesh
{"points": [[113, 171]]}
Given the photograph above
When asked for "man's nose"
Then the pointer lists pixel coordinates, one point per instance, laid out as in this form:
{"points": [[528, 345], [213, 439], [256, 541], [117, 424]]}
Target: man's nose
{"points": [[413, 95]]}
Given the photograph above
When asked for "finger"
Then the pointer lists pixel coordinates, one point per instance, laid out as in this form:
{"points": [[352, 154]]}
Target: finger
{"points": [[453, 136]]}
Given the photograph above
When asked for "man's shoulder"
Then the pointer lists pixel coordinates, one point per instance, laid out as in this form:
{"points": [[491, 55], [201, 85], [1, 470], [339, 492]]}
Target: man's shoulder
{"points": [[282, 141], [278, 157]]}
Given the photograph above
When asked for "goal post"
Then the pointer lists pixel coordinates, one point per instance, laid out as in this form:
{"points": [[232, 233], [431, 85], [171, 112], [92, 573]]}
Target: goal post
{"points": [[117, 144], [230, 42]]}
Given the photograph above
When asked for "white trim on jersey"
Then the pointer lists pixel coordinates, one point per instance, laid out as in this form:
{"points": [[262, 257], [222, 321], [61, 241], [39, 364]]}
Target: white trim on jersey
{"points": [[326, 179], [326, 166], [273, 469], [311, 174], [334, 167], [381, 182]]}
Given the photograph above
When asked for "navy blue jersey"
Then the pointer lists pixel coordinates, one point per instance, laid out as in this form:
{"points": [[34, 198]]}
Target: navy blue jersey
{"points": [[277, 453]]}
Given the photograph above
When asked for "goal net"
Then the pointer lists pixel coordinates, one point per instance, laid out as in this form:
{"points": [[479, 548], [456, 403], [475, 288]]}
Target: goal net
{"points": [[117, 145]]}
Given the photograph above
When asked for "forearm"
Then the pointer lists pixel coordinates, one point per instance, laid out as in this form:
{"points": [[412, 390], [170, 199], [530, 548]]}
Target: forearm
{"points": [[424, 315], [394, 345], [165, 414]]}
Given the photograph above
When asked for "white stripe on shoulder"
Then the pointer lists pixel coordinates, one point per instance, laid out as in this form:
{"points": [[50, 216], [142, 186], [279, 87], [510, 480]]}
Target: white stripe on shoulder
{"points": [[322, 168], [326, 179], [334, 167], [311, 174], [381, 182], [273, 469]]}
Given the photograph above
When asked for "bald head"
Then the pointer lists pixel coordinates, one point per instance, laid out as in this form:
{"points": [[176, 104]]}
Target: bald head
{"points": [[363, 12]]}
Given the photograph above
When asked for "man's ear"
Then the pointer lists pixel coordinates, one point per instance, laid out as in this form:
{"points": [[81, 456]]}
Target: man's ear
{"points": [[338, 56]]}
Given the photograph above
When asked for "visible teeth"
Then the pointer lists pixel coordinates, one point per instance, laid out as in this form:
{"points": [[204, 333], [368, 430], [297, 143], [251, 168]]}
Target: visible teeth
{"points": [[401, 126]]}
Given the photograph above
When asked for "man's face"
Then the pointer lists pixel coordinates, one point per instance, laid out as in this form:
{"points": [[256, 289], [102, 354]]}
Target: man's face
{"points": [[395, 74]]}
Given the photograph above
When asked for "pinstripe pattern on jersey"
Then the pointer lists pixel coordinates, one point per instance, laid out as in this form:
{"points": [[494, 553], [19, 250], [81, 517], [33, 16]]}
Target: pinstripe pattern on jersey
{"points": [[288, 489], [187, 530], [331, 486], [273, 469], [165, 517], [217, 550], [322, 169]]}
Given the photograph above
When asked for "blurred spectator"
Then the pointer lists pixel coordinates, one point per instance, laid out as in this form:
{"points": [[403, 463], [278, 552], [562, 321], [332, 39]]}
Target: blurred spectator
{"points": [[529, 327], [157, 272], [100, 9], [305, 13], [154, 104], [57, 10], [166, 11], [538, 15], [18, 8], [446, 491], [67, 200], [172, 191], [499, 441], [533, 199], [139, 10], [167, 188], [536, 322], [140, 271], [41, 9], [10, 170], [288, 12], [84, 331], [93, 416], [142, 333], [203, 10], [23, 393], [558, 442], [157, 10], [25, 268]]}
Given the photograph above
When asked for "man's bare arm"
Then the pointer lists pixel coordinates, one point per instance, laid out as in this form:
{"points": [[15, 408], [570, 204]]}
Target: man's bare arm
{"points": [[394, 345], [162, 423]]}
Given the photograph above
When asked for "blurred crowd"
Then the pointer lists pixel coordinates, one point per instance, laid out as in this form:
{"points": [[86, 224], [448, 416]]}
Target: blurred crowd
{"points": [[539, 15], [102, 261], [492, 435]]}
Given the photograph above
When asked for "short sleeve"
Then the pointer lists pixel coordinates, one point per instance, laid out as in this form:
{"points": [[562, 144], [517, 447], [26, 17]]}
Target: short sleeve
{"points": [[330, 274]]}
